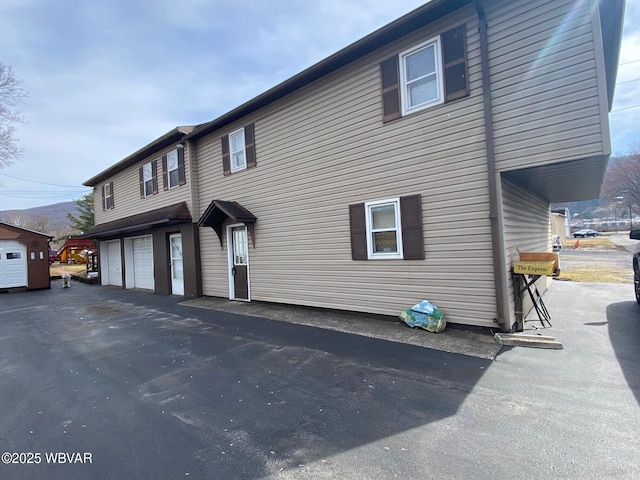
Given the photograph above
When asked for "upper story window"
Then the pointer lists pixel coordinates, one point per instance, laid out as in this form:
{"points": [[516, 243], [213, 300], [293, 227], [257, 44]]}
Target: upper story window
{"points": [[147, 174], [420, 76], [238, 150], [107, 196], [172, 169], [238, 157], [148, 179], [425, 75]]}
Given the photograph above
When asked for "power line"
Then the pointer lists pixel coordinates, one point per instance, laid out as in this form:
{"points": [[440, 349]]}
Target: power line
{"points": [[625, 108], [38, 195], [628, 81], [627, 63], [43, 183]]}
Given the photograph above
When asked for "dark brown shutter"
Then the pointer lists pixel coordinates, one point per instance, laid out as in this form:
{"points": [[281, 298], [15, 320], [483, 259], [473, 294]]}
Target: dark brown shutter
{"points": [[113, 204], [165, 174], [358, 227], [249, 146], [182, 178], [103, 205], [411, 219], [141, 174], [390, 89], [454, 47], [154, 176], [226, 160]]}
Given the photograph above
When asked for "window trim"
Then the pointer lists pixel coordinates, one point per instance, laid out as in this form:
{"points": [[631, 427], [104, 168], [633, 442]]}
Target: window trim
{"points": [[169, 170], [107, 200], [144, 181], [232, 166], [368, 206], [406, 109]]}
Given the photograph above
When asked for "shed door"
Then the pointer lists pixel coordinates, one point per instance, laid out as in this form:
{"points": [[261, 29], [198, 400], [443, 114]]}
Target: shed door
{"points": [[114, 263], [13, 264], [143, 263]]}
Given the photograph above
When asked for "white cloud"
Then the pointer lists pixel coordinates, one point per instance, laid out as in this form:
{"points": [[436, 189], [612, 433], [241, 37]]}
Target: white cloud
{"points": [[106, 78]]}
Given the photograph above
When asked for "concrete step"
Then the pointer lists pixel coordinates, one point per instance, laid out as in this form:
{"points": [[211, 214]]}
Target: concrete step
{"points": [[531, 341]]}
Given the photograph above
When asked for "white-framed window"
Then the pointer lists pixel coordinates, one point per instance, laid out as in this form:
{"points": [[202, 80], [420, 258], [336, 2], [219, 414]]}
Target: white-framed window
{"points": [[421, 76], [384, 232], [147, 178], [107, 196], [173, 172], [237, 150]]}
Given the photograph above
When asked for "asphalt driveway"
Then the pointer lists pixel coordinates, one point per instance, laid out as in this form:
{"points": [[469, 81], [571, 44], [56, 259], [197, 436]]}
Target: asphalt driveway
{"points": [[150, 388]]}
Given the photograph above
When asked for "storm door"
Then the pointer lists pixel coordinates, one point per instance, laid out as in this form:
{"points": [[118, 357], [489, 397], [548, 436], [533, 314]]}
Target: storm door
{"points": [[177, 271], [239, 263]]}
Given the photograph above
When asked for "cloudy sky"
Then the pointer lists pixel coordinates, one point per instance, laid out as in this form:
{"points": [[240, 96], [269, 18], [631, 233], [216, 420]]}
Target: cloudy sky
{"points": [[106, 78]]}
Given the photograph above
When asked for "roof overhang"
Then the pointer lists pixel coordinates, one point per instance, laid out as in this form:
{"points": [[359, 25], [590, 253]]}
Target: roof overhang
{"points": [[168, 139], [171, 215], [221, 211], [563, 182], [21, 230]]}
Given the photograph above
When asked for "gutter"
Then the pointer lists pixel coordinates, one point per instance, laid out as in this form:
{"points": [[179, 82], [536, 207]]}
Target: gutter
{"points": [[495, 193]]}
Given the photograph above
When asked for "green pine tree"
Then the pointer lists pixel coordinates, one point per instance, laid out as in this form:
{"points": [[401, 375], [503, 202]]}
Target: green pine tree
{"points": [[84, 221]]}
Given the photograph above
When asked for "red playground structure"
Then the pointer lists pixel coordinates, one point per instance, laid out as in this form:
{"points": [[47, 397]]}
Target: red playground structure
{"points": [[74, 250]]}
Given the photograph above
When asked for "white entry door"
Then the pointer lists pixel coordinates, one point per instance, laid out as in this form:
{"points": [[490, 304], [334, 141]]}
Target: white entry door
{"points": [[143, 263], [13, 264], [177, 271]]}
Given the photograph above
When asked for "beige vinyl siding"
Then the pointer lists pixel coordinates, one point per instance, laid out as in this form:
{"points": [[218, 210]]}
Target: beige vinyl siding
{"points": [[325, 147], [527, 227], [126, 191], [546, 104]]}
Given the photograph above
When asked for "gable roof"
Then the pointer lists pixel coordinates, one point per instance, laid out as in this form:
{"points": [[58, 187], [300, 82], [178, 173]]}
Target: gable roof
{"points": [[611, 12], [21, 230], [169, 138], [406, 24]]}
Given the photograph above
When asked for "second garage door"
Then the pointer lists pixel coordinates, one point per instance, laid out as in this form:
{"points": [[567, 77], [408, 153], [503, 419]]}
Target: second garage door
{"points": [[143, 263]]}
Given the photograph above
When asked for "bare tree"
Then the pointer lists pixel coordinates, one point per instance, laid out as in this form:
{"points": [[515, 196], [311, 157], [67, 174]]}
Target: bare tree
{"points": [[11, 93], [18, 220], [622, 180], [39, 223]]}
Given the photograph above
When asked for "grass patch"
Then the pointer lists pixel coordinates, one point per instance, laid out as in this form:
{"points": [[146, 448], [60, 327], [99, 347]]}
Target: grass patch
{"points": [[595, 275]]}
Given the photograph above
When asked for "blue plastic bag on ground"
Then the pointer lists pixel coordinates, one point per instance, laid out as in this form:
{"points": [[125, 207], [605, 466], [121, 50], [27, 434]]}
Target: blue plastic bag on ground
{"points": [[424, 315]]}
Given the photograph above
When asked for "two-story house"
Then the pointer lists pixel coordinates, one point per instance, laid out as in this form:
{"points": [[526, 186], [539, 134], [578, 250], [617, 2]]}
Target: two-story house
{"points": [[143, 219], [410, 165]]}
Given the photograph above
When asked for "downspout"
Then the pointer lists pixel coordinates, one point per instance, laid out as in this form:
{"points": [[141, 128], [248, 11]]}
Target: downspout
{"points": [[495, 195]]}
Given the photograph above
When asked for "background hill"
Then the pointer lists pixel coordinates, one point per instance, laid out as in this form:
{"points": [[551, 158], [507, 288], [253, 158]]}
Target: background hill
{"points": [[50, 219]]}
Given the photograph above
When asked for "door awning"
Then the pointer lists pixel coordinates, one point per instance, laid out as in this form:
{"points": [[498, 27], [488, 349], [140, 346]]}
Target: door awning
{"points": [[219, 211]]}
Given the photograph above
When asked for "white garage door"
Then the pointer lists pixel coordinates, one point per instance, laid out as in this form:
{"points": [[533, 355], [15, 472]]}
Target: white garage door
{"points": [[13, 264], [114, 263], [143, 263]]}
